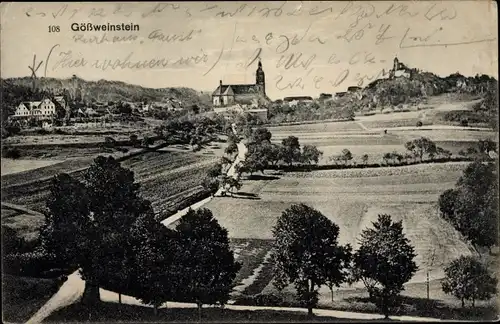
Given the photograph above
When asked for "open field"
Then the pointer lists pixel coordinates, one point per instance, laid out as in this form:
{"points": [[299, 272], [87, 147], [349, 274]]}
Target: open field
{"points": [[366, 134], [352, 199], [59, 139], [55, 152], [376, 144], [163, 175], [15, 166], [250, 253], [317, 127]]}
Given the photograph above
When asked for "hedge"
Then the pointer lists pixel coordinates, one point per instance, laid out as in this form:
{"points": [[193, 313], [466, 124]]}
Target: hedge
{"points": [[295, 168], [268, 299], [35, 264]]}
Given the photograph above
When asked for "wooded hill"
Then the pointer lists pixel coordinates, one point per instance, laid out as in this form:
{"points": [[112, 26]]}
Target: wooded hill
{"points": [[15, 90]]}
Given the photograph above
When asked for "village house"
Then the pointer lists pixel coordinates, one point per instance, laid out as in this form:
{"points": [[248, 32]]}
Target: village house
{"points": [[242, 94], [353, 89], [293, 101], [44, 109], [325, 96], [339, 94]]}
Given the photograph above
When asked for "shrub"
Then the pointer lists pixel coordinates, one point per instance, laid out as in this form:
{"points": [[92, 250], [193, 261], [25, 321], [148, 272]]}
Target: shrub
{"points": [[419, 123], [464, 122], [59, 131], [11, 153], [109, 141], [42, 132], [134, 140], [10, 129], [33, 264], [269, 299]]}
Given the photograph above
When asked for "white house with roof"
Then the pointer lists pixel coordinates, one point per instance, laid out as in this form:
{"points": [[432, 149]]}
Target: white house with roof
{"points": [[37, 109]]}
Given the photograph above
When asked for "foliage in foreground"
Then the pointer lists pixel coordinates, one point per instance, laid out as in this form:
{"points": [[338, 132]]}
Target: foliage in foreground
{"points": [[468, 279], [384, 262], [103, 227], [307, 254], [472, 206]]}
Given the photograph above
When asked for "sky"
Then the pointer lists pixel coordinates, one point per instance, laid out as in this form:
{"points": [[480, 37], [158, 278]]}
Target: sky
{"points": [[306, 48]]}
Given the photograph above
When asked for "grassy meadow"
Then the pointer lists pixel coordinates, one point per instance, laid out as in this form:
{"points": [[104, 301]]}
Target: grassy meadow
{"points": [[352, 199]]}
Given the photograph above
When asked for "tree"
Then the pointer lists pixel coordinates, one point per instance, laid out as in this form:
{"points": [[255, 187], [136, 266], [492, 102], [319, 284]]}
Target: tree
{"points": [[195, 142], [93, 220], [472, 208], [421, 146], [232, 183], [387, 157], [443, 153], [398, 157], [66, 221], [157, 266], [231, 148], [115, 204], [208, 263], [446, 202], [306, 253], [364, 158], [276, 153], [486, 145], [467, 278], [384, 262], [147, 141], [346, 156], [124, 108], [259, 135], [291, 150], [134, 140], [311, 154]]}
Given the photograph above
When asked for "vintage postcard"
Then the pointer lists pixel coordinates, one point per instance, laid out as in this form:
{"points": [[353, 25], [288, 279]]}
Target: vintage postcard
{"points": [[267, 161]]}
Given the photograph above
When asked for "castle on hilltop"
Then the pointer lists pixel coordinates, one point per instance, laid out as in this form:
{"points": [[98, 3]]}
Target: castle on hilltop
{"points": [[399, 70]]}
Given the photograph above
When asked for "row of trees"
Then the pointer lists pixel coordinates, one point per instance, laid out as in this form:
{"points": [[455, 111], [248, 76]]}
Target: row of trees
{"points": [[192, 129], [262, 153], [307, 254], [418, 150], [102, 226], [280, 112]]}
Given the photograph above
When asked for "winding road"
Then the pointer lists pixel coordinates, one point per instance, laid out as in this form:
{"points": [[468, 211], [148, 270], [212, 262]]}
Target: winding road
{"points": [[72, 290]]}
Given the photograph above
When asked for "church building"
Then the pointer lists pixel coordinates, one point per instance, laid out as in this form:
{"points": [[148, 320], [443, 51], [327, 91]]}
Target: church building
{"points": [[249, 95]]}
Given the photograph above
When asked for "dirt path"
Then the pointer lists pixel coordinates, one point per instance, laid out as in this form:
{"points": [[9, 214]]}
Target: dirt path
{"points": [[69, 293], [21, 209], [362, 125], [109, 296]]}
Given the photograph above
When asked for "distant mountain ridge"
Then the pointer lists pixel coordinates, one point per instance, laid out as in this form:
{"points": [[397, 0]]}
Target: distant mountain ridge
{"points": [[102, 91]]}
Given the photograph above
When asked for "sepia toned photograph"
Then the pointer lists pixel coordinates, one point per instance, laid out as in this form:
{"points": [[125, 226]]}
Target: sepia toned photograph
{"points": [[249, 161]]}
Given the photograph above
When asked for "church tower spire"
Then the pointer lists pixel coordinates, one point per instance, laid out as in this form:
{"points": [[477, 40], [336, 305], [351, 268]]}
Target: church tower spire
{"points": [[260, 78]]}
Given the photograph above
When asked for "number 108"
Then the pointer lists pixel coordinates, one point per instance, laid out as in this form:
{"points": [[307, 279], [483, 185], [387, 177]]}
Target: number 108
{"points": [[54, 29]]}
